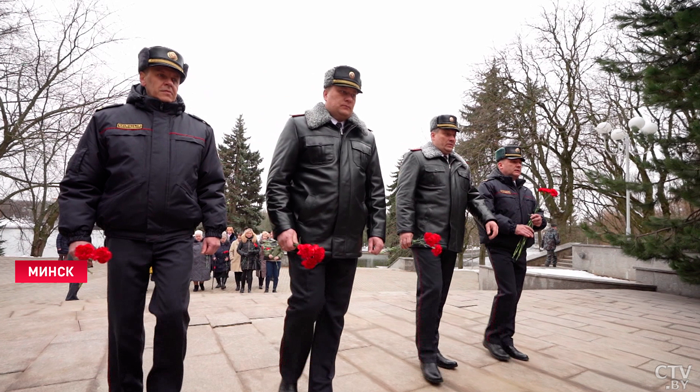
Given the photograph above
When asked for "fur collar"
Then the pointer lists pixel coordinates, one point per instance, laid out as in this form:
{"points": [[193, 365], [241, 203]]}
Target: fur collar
{"points": [[318, 116], [430, 152]]}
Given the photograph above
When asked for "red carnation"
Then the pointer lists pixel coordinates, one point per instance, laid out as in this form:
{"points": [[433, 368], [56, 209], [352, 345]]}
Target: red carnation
{"points": [[85, 252], [102, 255], [437, 249], [432, 239], [551, 192], [310, 255]]}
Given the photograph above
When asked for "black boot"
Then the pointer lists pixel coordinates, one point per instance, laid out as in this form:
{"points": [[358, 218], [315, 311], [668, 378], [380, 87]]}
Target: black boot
{"points": [[242, 288], [497, 351], [196, 287], [201, 286], [514, 353], [445, 363], [223, 283], [218, 283], [431, 373], [288, 387]]}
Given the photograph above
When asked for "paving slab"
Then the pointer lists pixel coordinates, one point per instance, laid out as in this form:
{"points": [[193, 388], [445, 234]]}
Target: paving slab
{"points": [[578, 340]]}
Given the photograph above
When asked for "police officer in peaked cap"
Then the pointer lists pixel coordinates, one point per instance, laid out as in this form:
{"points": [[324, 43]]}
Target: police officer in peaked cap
{"points": [[147, 173], [325, 187], [514, 206], [434, 192]]}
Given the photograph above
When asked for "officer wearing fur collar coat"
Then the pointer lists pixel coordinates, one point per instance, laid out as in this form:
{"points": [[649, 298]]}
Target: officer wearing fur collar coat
{"points": [[434, 191], [325, 186]]}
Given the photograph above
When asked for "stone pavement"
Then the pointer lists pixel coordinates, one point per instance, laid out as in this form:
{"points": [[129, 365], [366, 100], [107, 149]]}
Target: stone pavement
{"points": [[578, 340]]}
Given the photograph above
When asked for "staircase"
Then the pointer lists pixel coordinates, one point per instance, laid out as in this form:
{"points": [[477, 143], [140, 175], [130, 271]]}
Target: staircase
{"points": [[565, 262]]}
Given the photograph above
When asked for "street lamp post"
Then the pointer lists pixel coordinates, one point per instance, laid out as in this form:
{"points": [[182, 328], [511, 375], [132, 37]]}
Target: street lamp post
{"points": [[619, 134]]}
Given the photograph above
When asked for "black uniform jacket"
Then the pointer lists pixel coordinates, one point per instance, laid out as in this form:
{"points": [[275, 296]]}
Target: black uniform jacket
{"points": [[433, 197], [145, 170], [512, 203], [326, 185]]}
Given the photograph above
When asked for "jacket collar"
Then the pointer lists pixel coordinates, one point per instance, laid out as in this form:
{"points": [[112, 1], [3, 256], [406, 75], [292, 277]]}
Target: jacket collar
{"points": [[430, 152], [318, 116], [137, 97], [497, 175]]}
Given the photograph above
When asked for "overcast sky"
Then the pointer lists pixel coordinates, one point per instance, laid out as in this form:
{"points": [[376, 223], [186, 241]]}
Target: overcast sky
{"points": [[266, 59]]}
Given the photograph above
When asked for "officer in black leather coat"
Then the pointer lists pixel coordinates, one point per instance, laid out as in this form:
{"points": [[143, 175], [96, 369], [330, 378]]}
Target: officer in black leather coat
{"points": [[325, 186], [514, 206], [434, 191], [148, 174]]}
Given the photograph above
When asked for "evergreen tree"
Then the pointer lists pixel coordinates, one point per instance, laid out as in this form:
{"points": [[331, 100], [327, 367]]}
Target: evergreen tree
{"points": [[666, 69], [393, 242], [243, 184]]}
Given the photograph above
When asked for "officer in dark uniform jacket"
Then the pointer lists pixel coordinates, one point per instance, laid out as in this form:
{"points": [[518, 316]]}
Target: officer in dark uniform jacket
{"points": [[434, 192], [147, 173], [514, 206], [325, 186]]}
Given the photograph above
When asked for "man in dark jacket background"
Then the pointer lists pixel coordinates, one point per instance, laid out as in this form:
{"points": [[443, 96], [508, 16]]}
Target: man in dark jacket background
{"points": [[325, 185], [434, 191], [147, 173], [514, 206]]}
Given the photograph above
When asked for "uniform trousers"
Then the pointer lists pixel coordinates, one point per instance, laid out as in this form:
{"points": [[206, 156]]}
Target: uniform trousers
{"points": [[127, 281], [434, 278], [510, 276], [315, 319], [551, 258]]}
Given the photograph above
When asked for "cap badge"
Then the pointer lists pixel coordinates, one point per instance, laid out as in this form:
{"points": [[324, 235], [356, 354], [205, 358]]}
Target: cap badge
{"points": [[452, 119], [351, 75], [172, 55], [517, 150]]}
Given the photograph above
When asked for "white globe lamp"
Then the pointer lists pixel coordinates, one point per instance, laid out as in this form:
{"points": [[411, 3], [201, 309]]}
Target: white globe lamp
{"points": [[636, 123], [618, 134], [603, 128], [649, 128]]}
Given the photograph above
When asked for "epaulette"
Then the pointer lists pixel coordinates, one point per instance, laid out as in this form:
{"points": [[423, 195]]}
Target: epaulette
{"points": [[297, 115], [195, 117], [116, 105], [416, 149]]}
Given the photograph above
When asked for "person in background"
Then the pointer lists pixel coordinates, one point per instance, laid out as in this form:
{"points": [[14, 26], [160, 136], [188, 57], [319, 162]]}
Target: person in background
{"points": [[231, 234], [272, 254], [235, 258], [201, 265], [250, 257], [262, 271], [550, 241], [221, 262]]}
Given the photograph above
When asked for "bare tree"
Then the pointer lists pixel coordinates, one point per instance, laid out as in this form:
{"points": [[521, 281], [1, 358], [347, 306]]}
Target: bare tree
{"points": [[49, 89]]}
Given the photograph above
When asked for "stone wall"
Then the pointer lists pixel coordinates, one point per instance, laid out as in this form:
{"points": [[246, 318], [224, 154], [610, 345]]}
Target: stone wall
{"points": [[605, 260]]}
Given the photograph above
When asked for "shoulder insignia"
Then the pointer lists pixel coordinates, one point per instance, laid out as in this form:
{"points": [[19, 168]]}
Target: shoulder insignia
{"points": [[297, 115], [195, 117], [110, 106], [416, 149]]}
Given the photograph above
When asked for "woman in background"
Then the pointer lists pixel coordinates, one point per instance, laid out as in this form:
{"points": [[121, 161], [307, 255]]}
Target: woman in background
{"points": [[221, 262], [235, 266], [250, 257], [201, 269]]}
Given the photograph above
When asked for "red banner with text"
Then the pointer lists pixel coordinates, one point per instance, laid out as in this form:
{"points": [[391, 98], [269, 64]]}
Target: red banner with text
{"points": [[50, 271]]}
